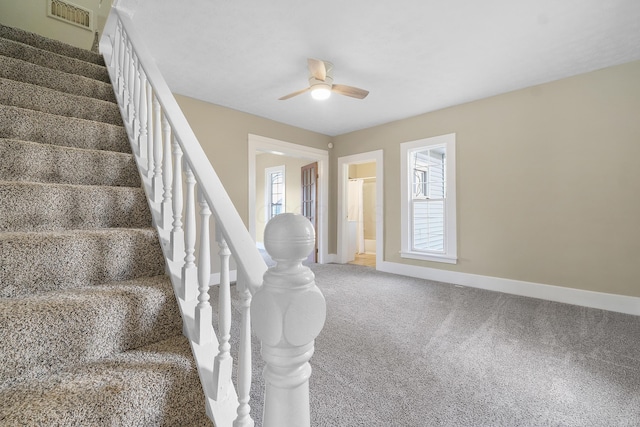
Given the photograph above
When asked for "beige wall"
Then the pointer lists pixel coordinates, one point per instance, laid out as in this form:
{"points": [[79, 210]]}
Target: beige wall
{"points": [[31, 15], [223, 133], [548, 181], [362, 170], [293, 189]]}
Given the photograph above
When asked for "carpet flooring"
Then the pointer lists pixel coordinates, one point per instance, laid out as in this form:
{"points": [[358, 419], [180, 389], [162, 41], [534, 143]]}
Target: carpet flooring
{"points": [[90, 328], [399, 351]]}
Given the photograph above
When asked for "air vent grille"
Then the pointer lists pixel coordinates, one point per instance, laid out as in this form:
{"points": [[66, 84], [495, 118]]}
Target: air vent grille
{"points": [[70, 13]]}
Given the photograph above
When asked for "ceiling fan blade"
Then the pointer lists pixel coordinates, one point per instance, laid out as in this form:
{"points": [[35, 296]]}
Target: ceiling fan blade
{"points": [[317, 68], [291, 95], [351, 91]]}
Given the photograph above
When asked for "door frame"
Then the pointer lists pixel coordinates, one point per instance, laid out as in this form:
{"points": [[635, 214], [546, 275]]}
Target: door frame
{"points": [[257, 143], [343, 179]]}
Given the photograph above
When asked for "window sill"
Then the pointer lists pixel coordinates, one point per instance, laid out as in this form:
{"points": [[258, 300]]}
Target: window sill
{"points": [[430, 257]]}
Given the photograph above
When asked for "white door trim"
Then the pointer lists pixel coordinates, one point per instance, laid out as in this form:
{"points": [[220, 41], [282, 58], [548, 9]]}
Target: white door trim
{"points": [[343, 179], [258, 143]]}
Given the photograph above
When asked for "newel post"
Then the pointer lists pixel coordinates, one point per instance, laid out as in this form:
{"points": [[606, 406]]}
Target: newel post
{"points": [[288, 313]]}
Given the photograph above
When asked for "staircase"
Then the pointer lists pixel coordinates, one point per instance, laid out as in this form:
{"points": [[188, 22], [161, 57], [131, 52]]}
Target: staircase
{"points": [[90, 329]]}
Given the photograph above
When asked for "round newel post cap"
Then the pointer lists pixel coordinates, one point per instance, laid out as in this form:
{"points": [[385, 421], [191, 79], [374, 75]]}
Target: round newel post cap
{"points": [[289, 237]]}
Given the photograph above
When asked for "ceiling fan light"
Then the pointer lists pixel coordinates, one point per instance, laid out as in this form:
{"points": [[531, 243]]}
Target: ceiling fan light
{"points": [[320, 92]]}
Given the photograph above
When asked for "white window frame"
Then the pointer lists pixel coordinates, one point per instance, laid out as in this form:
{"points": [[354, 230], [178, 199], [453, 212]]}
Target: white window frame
{"points": [[268, 189], [450, 254]]}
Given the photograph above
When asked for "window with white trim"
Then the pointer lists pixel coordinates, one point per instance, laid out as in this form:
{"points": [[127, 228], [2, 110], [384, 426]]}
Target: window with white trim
{"points": [[274, 191], [428, 207]]}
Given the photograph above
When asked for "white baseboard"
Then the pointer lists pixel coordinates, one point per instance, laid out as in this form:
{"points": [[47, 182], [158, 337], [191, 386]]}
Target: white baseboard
{"points": [[215, 277], [369, 246], [600, 300], [330, 258]]}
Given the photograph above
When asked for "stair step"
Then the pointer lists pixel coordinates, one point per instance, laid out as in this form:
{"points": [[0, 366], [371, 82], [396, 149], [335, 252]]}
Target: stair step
{"points": [[34, 263], [36, 126], [203, 421], [89, 325], [52, 60], [40, 98], [47, 332], [155, 385], [36, 162], [45, 43], [35, 206], [23, 71]]}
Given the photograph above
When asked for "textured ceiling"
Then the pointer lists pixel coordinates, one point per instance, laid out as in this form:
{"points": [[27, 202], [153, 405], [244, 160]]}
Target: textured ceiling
{"points": [[414, 56]]}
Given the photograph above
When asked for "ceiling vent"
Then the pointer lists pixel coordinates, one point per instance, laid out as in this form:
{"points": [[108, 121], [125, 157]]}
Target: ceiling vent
{"points": [[70, 13]]}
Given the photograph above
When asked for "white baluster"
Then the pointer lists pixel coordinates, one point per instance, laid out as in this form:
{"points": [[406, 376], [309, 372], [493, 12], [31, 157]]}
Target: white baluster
{"points": [[203, 330], [126, 97], [131, 84], [223, 361], [244, 354], [167, 171], [135, 117], [144, 117], [115, 58], [177, 234], [189, 270], [156, 182], [288, 312], [121, 56], [150, 136]]}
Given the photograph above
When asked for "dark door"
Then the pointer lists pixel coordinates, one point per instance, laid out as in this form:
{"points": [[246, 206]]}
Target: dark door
{"points": [[309, 201]]}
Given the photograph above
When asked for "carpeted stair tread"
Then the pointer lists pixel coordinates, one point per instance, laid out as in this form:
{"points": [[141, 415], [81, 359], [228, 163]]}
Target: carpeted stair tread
{"points": [[33, 206], [45, 43], [90, 329], [36, 126], [32, 263], [155, 385], [37, 162], [40, 98], [23, 71], [52, 60], [203, 421], [46, 332]]}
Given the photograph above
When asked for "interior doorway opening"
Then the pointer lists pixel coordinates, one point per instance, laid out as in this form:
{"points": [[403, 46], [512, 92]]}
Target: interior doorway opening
{"points": [[361, 213], [289, 192], [360, 209]]}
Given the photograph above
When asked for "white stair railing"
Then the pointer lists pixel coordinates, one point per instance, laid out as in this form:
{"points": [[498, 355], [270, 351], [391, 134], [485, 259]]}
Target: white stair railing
{"points": [[181, 184]]}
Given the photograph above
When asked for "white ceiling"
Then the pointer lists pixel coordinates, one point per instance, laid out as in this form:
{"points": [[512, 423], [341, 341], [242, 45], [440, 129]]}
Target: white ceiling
{"points": [[414, 56]]}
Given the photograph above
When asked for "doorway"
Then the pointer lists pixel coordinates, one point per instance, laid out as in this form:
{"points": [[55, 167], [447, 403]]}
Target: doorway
{"points": [[267, 152], [361, 213], [360, 209]]}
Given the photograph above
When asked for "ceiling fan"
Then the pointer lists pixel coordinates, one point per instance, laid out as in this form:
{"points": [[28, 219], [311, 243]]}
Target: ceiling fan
{"points": [[321, 83]]}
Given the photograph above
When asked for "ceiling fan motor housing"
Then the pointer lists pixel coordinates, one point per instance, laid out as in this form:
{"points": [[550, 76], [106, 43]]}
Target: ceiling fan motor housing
{"points": [[327, 82], [321, 83], [321, 89]]}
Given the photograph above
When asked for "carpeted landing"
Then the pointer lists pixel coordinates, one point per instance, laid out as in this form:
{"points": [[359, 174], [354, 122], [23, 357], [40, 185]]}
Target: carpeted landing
{"points": [[90, 330], [398, 351], [404, 352]]}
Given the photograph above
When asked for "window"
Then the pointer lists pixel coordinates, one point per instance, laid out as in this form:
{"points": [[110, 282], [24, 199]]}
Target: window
{"points": [[274, 191], [428, 199]]}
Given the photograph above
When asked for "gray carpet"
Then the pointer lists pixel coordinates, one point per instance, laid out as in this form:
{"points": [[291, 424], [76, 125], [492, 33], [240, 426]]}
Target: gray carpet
{"points": [[90, 329], [398, 351]]}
